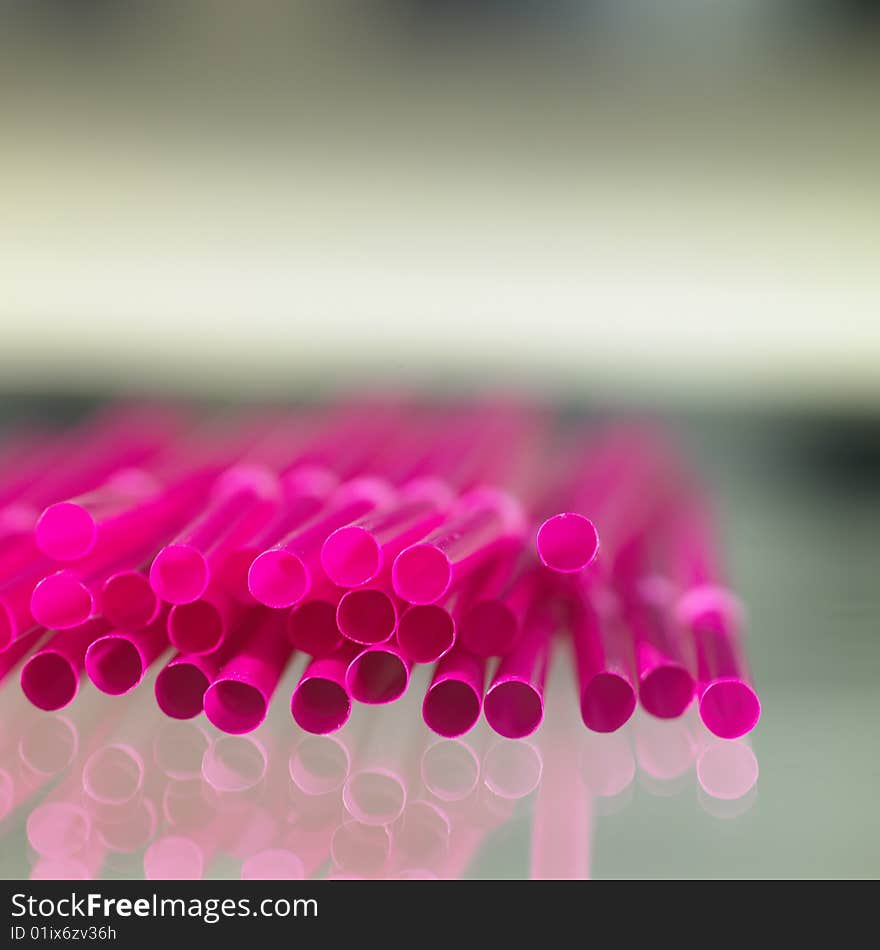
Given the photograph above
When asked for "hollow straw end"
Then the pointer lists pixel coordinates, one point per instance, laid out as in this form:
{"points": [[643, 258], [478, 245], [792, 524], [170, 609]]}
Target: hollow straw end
{"points": [[567, 543], [65, 532]]}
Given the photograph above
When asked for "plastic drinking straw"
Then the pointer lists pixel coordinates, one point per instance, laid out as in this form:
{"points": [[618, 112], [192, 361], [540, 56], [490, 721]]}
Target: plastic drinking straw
{"points": [[127, 600], [605, 663], [311, 624], [626, 476], [201, 626], [243, 501], [378, 675], [666, 686], [368, 615], [17, 546], [50, 677], [70, 530], [491, 624], [16, 618], [455, 697], [283, 575], [358, 553], [68, 597], [181, 684], [321, 703], [426, 632], [305, 491], [486, 523], [514, 703], [712, 615], [117, 662], [238, 699]]}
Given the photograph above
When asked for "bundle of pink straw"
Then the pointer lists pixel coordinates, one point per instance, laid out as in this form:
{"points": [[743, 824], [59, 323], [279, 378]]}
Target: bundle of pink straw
{"points": [[368, 537]]}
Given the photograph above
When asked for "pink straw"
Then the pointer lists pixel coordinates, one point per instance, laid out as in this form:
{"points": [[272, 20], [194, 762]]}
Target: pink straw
{"points": [[321, 703], [567, 542], [368, 615], [666, 686], [311, 624], [243, 501], [454, 698], [486, 523], [238, 699], [201, 626], [426, 632], [127, 600], [378, 675], [284, 575], [70, 530], [117, 662], [357, 553], [16, 618], [182, 683], [491, 623], [514, 703], [604, 661], [50, 678], [729, 705], [305, 491]]}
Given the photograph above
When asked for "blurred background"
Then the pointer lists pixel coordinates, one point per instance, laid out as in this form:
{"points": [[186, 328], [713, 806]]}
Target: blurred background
{"points": [[621, 205]]}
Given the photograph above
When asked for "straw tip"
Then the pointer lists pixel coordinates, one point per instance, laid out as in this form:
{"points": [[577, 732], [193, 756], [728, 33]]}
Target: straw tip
{"points": [[61, 601], [513, 708], [234, 707], [65, 532], [607, 702], [729, 708], [278, 579], [179, 574], [421, 574], [567, 543], [666, 691], [351, 556], [48, 681]]}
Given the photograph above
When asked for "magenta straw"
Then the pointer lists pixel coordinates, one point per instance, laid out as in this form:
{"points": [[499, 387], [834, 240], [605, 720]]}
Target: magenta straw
{"points": [[491, 623], [16, 618], [567, 542], [117, 662], [182, 683], [368, 615], [201, 626], [514, 703], [70, 530], [311, 624], [605, 667], [243, 501], [378, 675], [729, 705], [305, 491], [426, 632], [358, 553], [127, 600], [666, 686], [321, 703], [284, 575], [238, 699], [50, 677], [486, 524], [454, 699], [712, 615]]}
